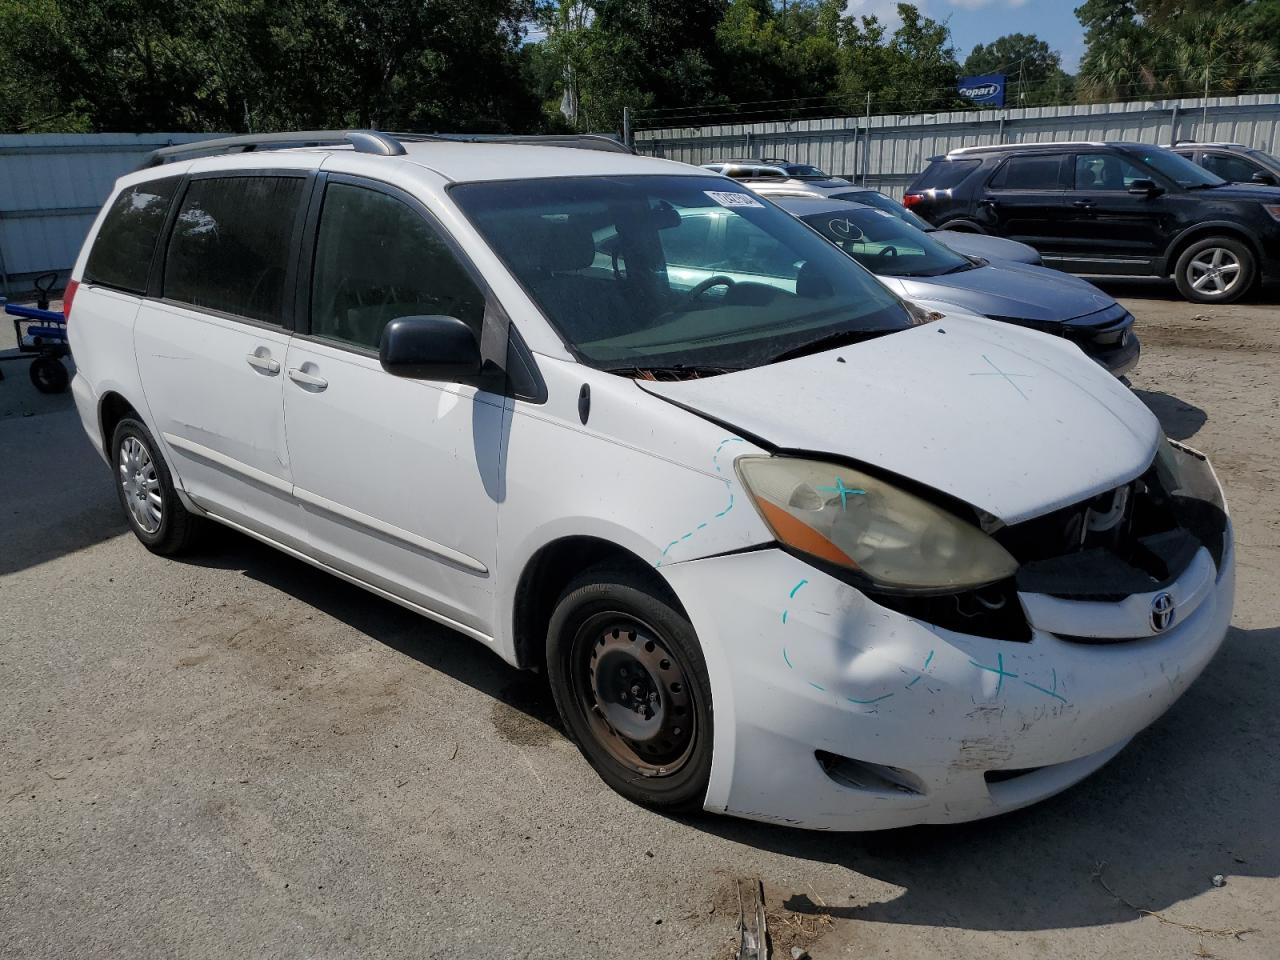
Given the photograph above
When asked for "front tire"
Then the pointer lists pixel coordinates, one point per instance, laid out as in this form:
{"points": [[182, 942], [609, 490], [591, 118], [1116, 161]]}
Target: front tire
{"points": [[631, 686], [1215, 270], [145, 488]]}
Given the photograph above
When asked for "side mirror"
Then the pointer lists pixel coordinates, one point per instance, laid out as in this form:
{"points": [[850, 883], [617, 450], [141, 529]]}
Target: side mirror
{"points": [[430, 348], [1144, 187], [1264, 179]]}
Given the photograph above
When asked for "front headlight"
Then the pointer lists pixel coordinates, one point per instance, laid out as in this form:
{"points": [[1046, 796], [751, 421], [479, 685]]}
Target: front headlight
{"points": [[857, 521]]}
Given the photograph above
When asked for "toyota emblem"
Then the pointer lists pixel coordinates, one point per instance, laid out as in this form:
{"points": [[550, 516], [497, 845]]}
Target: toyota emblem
{"points": [[1162, 612]]}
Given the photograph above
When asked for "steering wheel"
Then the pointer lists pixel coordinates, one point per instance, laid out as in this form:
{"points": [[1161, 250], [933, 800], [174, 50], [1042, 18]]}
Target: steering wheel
{"points": [[888, 251], [719, 280]]}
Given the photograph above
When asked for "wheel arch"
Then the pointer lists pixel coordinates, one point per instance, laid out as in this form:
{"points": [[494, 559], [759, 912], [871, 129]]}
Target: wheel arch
{"points": [[112, 408], [545, 575], [1203, 231]]}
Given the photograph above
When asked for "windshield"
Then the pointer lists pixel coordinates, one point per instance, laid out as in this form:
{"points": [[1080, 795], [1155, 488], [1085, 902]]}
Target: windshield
{"points": [[1178, 169], [884, 244], [804, 170], [643, 272], [873, 198], [1265, 158]]}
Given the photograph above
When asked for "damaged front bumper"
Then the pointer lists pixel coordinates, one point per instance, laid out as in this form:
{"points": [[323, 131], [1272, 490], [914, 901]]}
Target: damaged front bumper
{"points": [[834, 712]]}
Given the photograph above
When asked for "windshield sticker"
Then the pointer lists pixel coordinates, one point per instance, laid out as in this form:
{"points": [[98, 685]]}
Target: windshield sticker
{"points": [[727, 199]]}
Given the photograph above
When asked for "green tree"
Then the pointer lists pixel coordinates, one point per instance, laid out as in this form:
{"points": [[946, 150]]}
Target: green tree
{"points": [[1034, 69]]}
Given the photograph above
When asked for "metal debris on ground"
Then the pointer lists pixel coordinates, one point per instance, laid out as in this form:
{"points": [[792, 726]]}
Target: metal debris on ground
{"points": [[1219, 880], [753, 934]]}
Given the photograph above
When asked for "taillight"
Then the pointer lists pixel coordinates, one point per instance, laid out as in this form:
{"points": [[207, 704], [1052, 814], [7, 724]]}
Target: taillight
{"points": [[909, 200], [68, 295]]}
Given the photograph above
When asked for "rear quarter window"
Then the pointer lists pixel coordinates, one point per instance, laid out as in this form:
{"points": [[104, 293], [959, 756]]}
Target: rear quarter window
{"points": [[1029, 173], [122, 250], [945, 174]]}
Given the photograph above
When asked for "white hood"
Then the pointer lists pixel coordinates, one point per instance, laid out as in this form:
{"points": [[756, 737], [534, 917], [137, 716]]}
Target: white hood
{"points": [[1011, 421]]}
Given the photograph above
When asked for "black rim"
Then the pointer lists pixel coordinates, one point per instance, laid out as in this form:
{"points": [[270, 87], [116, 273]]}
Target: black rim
{"points": [[634, 694]]}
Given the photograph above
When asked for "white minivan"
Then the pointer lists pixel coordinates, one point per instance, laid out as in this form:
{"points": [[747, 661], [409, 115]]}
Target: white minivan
{"points": [[786, 546]]}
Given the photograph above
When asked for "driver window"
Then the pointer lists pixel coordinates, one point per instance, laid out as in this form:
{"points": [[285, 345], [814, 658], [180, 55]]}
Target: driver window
{"points": [[376, 260], [1106, 171]]}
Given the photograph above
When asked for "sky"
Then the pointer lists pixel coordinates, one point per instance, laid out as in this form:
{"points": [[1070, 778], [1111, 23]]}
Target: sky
{"points": [[981, 21]]}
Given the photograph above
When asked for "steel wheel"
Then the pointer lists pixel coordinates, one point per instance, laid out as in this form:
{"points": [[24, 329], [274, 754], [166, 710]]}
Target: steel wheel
{"points": [[634, 694], [141, 484], [1214, 271]]}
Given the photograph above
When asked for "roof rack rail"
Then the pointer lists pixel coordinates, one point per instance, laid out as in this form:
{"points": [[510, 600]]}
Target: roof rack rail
{"points": [[583, 141], [364, 141], [368, 141]]}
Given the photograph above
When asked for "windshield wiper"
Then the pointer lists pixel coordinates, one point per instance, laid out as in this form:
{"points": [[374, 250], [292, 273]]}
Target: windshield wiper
{"points": [[670, 371], [830, 342]]}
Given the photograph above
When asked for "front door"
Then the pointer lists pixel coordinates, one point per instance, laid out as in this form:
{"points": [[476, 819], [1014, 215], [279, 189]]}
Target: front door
{"points": [[400, 479], [211, 347], [1110, 230]]}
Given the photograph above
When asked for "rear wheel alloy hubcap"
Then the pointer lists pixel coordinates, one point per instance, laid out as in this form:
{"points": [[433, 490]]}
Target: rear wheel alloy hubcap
{"points": [[634, 694], [1215, 270], [141, 485]]}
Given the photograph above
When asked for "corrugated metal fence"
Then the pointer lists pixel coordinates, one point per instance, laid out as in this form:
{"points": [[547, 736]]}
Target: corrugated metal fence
{"points": [[51, 187], [890, 150]]}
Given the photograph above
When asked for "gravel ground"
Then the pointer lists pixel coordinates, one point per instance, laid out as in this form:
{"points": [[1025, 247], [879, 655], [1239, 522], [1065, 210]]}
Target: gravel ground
{"points": [[236, 755]]}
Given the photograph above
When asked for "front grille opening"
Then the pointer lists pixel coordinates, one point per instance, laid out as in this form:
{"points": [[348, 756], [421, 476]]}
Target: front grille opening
{"points": [[1133, 539], [867, 776]]}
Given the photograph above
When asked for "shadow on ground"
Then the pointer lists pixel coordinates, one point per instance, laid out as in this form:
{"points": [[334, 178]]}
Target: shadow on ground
{"points": [[1147, 288], [1180, 420]]}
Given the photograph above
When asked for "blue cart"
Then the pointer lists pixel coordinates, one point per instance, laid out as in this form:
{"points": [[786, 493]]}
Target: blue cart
{"points": [[42, 332]]}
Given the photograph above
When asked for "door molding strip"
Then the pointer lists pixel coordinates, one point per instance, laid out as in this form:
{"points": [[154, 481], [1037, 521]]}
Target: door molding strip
{"points": [[230, 463]]}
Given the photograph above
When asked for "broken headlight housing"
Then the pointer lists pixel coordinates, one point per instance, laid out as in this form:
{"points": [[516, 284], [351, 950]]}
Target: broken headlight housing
{"points": [[1184, 472], [896, 540]]}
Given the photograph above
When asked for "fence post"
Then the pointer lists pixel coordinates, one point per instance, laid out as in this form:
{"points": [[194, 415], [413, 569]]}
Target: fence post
{"points": [[626, 126], [866, 143], [1173, 126]]}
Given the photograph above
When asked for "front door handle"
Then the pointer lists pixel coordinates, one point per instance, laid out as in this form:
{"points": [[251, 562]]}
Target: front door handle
{"points": [[988, 202], [1083, 204], [264, 363], [307, 379]]}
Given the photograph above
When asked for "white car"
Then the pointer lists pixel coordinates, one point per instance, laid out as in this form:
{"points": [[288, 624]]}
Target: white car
{"points": [[784, 548]]}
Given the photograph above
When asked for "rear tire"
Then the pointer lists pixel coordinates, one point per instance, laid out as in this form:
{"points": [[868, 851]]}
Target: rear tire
{"points": [[631, 686], [146, 491], [1215, 270]]}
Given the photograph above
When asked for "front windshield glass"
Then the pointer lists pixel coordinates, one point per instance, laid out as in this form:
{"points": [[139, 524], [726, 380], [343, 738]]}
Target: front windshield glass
{"points": [[884, 244], [873, 198], [1178, 169], [645, 272], [804, 170]]}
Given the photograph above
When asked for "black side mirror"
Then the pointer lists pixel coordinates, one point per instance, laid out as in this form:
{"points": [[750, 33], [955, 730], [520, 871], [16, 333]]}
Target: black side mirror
{"points": [[1144, 187], [1264, 179], [430, 348]]}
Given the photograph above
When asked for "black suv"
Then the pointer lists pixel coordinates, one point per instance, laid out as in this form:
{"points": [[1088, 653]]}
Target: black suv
{"points": [[1119, 209]]}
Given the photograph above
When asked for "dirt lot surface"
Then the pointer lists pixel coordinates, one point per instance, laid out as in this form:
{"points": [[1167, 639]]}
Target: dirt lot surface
{"points": [[235, 755]]}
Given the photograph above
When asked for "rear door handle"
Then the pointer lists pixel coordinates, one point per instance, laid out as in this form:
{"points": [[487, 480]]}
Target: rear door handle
{"points": [[263, 363], [1082, 204], [988, 202], [307, 379]]}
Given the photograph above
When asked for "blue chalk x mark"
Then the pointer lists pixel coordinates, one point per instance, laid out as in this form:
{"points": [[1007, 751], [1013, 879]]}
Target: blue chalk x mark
{"points": [[788, 659], [784, 616], [872, 700], [816, 687], [927, 660], [997, 372], [1053, 693], [915, 681], [796, 588], [999, 670], [845, 492], [715, 460]]}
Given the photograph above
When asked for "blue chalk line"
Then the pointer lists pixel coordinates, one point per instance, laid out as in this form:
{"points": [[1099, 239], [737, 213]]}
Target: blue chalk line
{"points": [[715, 460]]}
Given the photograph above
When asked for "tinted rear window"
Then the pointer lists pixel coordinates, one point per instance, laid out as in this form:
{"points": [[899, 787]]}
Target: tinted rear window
{"points": [[1029, 173], [230, 245], [945, 174], [121, 254]]}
